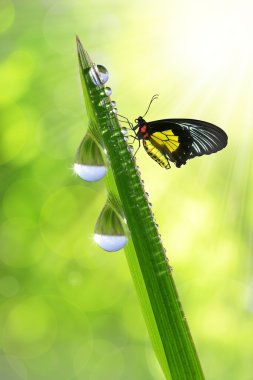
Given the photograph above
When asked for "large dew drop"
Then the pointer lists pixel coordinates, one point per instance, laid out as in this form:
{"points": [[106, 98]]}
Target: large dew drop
{"points": [[110, 233], [90, 173], [99, 74], [89, 162]]}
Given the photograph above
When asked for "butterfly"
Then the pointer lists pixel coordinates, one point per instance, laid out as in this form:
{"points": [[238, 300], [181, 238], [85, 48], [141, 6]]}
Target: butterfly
{"points": [[178, 140]]}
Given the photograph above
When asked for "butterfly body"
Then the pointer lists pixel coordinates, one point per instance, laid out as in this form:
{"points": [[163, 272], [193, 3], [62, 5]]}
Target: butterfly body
{"points": [[178, 140]]}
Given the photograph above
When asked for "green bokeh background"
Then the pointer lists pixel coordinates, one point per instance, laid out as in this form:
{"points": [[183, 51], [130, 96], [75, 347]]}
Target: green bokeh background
{"points": [[69, 311]]}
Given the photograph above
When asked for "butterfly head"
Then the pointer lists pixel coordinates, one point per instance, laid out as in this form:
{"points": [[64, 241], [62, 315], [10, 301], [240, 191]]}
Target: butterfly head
{"points": [[139, 121], [142, 132]]}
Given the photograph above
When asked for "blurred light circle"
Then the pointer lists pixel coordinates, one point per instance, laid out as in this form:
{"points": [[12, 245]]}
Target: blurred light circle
{"points": [[73, 331], [82, 355], [16, 73], [58, 141], [14, 133], [44, 169], [108, 366], [85, 292], [19, 129], [9, 286], [30, 328], [23, 199], [66, 223], [107, 362], [21, 243]]}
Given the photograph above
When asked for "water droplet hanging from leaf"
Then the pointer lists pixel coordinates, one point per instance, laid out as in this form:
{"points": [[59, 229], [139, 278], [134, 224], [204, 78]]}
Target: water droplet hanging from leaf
{"points": [[124, 130], [110, 230], [89, 162]]}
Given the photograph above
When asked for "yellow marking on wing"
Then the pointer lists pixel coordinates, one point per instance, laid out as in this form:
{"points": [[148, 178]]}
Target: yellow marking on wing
{"points": [[156, 154], [166, 141], [166, 135]]}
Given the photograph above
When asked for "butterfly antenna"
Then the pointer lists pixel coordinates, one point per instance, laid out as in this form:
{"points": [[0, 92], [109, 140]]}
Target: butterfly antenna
{"points": [[151, 101]]}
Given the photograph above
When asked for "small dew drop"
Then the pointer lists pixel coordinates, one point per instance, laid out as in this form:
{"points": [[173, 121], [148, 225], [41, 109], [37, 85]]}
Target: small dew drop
{"points": [[126, 138], [108, 91], [115, 110], [146, 194], [113, 103], [130, 148], [149, 204], [124, 130], [99, 75]]}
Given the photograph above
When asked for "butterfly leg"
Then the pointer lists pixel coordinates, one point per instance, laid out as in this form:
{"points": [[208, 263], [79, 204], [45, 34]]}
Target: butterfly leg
{"points": [[137, 148], [132, 128], [126, 121], [133, 137]]}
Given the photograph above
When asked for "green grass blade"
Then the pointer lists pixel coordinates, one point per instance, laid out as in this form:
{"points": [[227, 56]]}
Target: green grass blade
{"points": [[153, 280]]}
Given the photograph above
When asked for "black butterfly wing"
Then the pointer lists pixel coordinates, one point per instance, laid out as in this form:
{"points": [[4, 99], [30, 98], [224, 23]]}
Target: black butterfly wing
{"points": [[195, 138]]}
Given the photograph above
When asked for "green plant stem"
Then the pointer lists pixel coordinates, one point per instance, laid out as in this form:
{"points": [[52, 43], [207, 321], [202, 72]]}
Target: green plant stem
{"points": [[153, 280]]}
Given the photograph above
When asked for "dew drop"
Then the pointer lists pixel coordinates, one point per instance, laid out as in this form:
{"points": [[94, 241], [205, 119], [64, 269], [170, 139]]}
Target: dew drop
{"points": [[124, 130], [90, 173], [99, 75], [103, 73], [109, 231], [115, 110], [89, 161], [113, 103], [110, 243], [108, 91], [126, 138], [130, 148]]}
